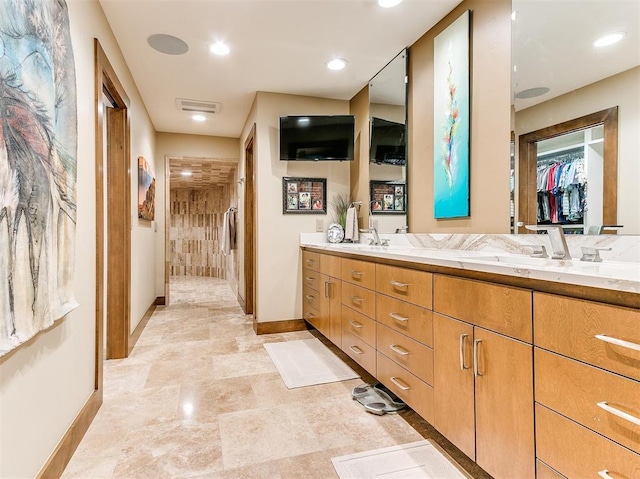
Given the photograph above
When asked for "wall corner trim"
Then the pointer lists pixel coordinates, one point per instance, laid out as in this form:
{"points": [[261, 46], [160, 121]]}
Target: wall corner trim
{"points": [[133, 339], [285, 326]]}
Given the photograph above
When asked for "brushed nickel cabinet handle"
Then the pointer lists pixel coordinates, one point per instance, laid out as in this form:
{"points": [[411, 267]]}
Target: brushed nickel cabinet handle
{"points": [[356, 299], [310, 261], [309, 297], [399, 285], [356, 349], [397, 317], [462, 365], [355, 324], [355, 273], [310, 315], [401, 384], [617, 412], [604, 474], [618, 342], [310, 278], [327, 290], [398, 349], [476, 348]]}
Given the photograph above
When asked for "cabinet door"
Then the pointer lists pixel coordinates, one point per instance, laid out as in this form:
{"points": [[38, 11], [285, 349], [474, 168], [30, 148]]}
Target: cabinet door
{"points": [[504, 405], [333, 290], [453, 382]]}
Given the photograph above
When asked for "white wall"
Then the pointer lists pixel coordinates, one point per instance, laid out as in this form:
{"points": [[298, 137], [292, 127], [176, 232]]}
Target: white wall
{"points": [[278, 296], [45, 382], [619, 90]]}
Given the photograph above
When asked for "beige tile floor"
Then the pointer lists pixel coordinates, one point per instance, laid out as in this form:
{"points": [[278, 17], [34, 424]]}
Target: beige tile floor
{"points": [[199, 397]]}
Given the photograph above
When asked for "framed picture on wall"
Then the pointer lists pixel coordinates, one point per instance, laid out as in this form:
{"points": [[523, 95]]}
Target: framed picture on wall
{"points": [[304, 195], [146, 190], [388, 197]]}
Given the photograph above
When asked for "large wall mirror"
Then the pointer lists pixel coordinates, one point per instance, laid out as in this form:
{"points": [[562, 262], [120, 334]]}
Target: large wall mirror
{"points": [[388, 147], [577, 109]]}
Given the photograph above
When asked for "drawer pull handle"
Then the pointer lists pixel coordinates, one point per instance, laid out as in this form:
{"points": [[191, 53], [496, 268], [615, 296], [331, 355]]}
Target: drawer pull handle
{"points": [[356, 349], [399, 285], [401, 384], [356, 299], [400, 350], [355, 324], [309, 297], [618, 342], [476, 348], [397, 317], [604, 474], [310, 278], [310, 315], [356, 274], [311, 261], [618, 412], [462, 365]]}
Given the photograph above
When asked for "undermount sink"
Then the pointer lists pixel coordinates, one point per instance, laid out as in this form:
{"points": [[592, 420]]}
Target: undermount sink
{"points": [[521, 260]]}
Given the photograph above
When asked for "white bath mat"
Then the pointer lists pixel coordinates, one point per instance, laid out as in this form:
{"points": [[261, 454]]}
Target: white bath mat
{"points": [[307, 362], [416, 460]]}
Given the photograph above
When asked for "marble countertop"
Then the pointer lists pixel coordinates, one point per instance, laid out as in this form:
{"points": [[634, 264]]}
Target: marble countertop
{"points": [[491, 254]]}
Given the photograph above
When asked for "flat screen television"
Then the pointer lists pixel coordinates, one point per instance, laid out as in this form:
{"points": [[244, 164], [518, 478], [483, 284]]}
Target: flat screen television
{"points": [[317, 138], [388, 142]]}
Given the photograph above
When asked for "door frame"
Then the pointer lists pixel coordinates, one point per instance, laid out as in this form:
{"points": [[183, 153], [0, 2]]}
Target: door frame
{"points": [[249, 303], [528, 159], [118, 260]]}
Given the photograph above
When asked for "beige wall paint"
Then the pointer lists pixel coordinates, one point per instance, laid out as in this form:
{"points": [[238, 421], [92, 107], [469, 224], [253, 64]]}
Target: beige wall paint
{"points": [[490, 122], [620, 90], [45, 383], [278, 295]]}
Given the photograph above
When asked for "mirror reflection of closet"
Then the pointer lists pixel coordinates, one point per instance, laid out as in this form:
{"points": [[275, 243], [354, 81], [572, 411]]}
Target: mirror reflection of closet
{"points": [[388, 151]]}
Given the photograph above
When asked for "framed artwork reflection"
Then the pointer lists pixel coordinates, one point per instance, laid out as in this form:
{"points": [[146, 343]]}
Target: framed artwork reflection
{"points": [[388, 197]]}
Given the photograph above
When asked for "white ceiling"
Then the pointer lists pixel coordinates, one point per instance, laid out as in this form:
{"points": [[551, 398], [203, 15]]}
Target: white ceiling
{"points": [[276, 46], [552, 44]]}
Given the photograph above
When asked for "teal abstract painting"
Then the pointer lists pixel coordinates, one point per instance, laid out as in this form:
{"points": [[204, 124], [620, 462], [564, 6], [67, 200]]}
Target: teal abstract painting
{"points": [[451, 120]]}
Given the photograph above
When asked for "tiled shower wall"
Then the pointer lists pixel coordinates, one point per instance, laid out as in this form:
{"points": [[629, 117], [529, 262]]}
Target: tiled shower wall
{"points": [[195, 236]]}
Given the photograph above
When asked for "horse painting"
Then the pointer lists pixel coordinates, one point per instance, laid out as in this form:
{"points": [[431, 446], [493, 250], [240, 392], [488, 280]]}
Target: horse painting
{"points": [[38, 143]]}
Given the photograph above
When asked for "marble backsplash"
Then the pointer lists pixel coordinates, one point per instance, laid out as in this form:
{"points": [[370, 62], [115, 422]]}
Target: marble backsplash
{"points": [[623, 248]]}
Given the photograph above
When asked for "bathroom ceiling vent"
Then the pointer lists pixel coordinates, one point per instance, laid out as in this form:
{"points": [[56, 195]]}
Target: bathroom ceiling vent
{"points": [[198, 106]]}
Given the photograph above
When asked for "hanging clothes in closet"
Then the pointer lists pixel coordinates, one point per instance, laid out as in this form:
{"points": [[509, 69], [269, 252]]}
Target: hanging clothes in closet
{"points": [[562, 188]]}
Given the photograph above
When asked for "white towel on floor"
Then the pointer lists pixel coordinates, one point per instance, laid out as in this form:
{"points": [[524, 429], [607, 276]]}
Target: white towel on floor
{"points": [[351, 227]]}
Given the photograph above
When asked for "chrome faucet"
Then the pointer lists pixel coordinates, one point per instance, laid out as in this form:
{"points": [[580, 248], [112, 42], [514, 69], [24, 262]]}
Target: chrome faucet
{"points": [[376, 241], [556, 236]]}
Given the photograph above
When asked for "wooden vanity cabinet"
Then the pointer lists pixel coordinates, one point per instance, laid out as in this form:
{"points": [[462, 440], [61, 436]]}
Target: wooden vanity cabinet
{"points": [[483, 378]]}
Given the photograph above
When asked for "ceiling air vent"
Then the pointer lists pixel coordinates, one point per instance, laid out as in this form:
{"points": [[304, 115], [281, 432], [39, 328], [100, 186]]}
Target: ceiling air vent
{"points": [[199, 106]]}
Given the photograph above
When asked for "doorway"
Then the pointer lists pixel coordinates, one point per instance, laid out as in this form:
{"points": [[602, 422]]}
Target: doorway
{"points": [[249, 306], [113, 223]]}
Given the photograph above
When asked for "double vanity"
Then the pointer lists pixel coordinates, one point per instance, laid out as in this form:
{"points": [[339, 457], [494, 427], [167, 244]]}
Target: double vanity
{"points": [[530, 366]]}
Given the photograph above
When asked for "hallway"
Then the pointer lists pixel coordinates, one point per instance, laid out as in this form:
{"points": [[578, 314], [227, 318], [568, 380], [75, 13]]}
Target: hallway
{"points": [[199, 397]]}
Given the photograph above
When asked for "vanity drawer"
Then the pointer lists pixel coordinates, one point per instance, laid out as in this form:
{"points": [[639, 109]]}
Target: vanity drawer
{"points": [[545, 472], [362, 273], [311, 279], [359, 351], [311, 260], [574, 389], [406, 284], [575, 451], [414, 321], [502, 309], [569, 326], [407, 352], [359, 325], [360, 299], [330, 265], [416, 393], [310, 297]]}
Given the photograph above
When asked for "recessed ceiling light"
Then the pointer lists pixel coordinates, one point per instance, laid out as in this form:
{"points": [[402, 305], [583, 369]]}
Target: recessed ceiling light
{"points": [[168, 44], [389, 3], [219, 48], [336, 64], [186, 173], [198, 117], [532, 92], [609, 39]]}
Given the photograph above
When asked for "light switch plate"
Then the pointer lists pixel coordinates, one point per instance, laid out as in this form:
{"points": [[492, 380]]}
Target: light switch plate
{"points": [[319, 226]]}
